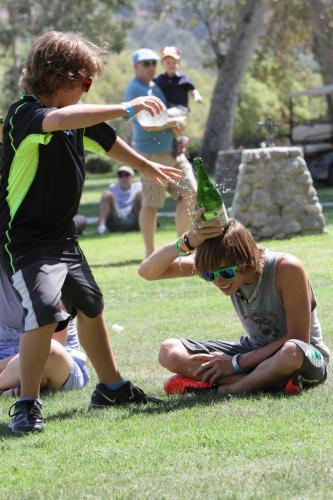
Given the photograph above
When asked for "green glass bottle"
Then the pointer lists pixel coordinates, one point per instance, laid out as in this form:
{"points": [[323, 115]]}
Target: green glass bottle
{"points": [[208, 196]]}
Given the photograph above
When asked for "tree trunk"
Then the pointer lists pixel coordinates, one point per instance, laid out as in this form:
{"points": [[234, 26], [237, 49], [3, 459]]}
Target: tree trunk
{"points": [[219, 128], [322, 36]]}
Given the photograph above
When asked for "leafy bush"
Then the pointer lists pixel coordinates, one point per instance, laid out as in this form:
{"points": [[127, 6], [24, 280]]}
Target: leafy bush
{"points": [[98, 164], [256, 103]]}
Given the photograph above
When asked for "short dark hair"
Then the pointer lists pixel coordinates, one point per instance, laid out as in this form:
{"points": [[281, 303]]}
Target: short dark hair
{"points": [[236, 245], [56, 59]]}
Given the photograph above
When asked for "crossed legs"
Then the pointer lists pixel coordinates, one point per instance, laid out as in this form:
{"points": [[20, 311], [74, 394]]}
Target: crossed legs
{"points": [[272, 372]]}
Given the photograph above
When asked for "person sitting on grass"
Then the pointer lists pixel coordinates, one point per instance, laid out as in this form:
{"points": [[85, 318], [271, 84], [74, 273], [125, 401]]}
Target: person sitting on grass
{"points": [[283, 347], [65, 368], [42, 175], [121, 203]]}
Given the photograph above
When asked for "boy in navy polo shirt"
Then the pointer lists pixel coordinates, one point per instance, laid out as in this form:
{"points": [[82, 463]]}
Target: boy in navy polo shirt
{"points": [[176, 87], [42, 175]]}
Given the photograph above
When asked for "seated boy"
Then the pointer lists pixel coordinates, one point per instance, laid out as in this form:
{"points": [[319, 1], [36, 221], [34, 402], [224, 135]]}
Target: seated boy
{"points": [[283, 347], [65, 367], [120, 204]]}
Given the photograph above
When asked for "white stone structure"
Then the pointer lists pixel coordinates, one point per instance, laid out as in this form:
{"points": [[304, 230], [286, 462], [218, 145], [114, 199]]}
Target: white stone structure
{"points": [[275, 196]]}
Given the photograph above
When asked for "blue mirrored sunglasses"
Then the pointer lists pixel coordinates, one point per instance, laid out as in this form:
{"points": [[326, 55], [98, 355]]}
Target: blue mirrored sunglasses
{"points": [[226, 273]]}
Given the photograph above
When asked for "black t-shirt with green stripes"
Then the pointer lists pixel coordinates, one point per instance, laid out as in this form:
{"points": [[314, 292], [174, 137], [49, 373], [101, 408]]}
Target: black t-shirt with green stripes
{"points": [[42, 176]]}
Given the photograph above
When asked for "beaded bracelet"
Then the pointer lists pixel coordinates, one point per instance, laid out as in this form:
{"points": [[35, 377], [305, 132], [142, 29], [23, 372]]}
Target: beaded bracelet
{"points": [[179, 250]]}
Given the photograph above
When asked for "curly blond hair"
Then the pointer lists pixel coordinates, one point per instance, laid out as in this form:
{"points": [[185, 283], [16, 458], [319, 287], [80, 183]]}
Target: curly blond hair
{"points": [[56, 59]]}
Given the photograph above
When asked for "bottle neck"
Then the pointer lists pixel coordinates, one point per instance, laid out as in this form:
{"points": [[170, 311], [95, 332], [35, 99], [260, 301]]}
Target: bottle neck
{"points": [[201, 173]]}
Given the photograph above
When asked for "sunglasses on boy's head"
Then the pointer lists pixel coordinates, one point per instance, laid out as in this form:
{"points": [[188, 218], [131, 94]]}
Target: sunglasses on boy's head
{"points": [[85, 83], [226, 273], [145, 64], [123, 174]]}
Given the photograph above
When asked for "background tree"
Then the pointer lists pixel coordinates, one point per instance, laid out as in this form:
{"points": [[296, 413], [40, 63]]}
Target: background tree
{"points": [[232, 68], [283, 60], [20, 22], [321, 19], [231, 29]]}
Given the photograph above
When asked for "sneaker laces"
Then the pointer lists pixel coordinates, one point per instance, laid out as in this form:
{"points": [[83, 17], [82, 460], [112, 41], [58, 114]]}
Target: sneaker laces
{"points": [[33, 410], [139, 395]]}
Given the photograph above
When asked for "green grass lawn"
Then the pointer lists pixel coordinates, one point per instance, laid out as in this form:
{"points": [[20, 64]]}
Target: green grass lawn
{"points": [[258, 447]]}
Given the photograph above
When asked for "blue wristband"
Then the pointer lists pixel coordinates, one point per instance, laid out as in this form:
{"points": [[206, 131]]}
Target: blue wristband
{"points": [[235, 365], [130, 110]]}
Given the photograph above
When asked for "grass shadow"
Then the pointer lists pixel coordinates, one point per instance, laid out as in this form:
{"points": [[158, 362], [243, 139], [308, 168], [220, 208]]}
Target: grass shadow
{"points": [[178, 403], [170, 405], [5, 432]]}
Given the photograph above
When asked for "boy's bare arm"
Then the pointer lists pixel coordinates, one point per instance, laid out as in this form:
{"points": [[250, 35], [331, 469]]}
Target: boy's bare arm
{"points": [[85, 115], [160, 174], [294, 291], [197, 96], [164, 264]]}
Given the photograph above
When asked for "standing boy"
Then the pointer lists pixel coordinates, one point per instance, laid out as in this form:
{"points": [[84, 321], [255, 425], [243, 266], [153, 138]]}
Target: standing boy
{"points": [[176, 87], [42, 175]]}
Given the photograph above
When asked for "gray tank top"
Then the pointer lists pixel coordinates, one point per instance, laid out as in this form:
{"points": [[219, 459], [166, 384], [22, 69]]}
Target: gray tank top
{"points": [[264, 319]]}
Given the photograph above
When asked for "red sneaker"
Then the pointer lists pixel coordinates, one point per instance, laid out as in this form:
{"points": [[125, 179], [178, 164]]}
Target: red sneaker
{"points": [[294, 385], [179, 385]]}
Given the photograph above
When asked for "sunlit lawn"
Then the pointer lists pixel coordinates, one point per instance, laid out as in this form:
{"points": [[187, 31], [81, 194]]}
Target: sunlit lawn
{"points": [[259, 447]]}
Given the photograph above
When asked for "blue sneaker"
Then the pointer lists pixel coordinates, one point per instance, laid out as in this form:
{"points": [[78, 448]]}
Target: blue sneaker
{"points": [[26, 417]]}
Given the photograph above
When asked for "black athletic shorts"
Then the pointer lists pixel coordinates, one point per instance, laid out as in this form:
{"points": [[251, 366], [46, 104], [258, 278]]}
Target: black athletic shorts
{"points": [[44, 283]]}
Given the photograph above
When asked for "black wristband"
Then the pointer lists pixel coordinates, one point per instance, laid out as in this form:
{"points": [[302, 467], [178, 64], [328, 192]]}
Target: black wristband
{"points": [[187, 243]]}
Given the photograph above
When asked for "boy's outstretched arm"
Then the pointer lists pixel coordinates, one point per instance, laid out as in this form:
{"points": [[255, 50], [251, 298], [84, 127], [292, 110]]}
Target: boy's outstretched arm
{"points": [[157, 173], [197, 96], [80, 115]]}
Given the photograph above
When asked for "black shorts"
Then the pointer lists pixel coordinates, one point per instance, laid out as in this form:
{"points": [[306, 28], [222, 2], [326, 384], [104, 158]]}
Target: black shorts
{"points": [[42, 284], [313, 370]]}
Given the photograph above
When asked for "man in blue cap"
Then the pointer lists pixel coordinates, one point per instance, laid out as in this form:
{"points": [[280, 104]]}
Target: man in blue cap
{"points": [[156, 144]]}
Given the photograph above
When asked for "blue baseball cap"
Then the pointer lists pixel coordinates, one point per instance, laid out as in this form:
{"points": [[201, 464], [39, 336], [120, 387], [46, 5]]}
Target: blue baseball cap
{"points": [[144, 55]]}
